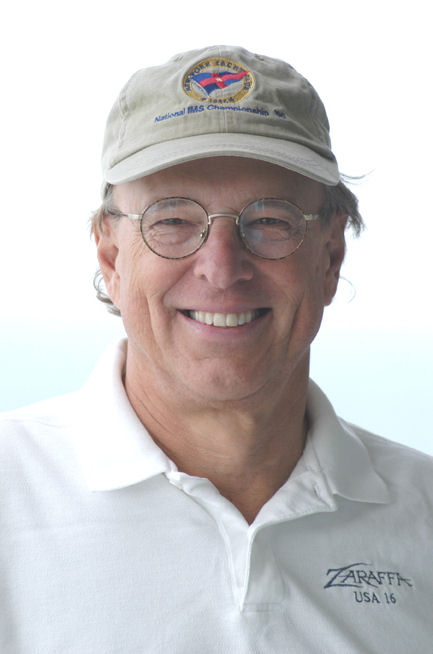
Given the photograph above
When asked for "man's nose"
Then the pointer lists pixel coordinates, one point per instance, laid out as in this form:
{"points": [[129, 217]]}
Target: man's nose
{"points": [[223, 260]]}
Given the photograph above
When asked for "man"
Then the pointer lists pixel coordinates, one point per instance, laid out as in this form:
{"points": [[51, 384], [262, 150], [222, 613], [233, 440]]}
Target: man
{"points": [[199, 494]]}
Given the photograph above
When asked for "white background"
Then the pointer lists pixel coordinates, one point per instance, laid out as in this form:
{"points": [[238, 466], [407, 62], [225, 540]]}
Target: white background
{"points": [[62, 67]]}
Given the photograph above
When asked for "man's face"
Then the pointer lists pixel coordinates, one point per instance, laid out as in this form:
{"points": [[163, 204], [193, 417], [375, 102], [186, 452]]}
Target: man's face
{"points": [[156, 296]]}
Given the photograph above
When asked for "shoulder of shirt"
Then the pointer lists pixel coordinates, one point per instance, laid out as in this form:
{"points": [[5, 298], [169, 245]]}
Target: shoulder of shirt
{"points": [[386, 445], [36, 437], [37, 450], [398, 464], [55, 412]]}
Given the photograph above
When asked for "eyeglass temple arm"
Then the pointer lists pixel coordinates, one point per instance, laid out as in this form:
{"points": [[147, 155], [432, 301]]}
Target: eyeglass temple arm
{"points": [[119, 214]]}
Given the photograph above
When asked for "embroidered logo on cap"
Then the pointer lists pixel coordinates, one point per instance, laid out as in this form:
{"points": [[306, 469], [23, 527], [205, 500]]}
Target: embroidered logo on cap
{"points": [[218, 81]]}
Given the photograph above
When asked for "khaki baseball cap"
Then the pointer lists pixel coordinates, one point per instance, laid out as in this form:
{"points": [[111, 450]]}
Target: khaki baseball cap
{"points": [[217, 101]]}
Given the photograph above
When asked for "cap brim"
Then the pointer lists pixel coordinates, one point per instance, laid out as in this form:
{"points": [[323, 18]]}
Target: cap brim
{"points": [[287, 154]]}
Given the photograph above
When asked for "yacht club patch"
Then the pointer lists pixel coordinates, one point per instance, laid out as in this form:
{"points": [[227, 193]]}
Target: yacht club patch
{"points": [[218, 80]]}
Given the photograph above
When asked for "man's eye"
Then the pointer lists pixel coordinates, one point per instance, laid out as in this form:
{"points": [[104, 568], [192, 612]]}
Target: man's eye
{"points": [[267, 220], [173, 221]]}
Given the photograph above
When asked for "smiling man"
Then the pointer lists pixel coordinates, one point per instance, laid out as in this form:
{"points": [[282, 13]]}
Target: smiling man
{"points": [[218, 337], [199, 494]]}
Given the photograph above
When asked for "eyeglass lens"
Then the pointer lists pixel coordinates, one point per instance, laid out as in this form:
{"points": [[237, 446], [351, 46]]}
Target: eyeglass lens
{"points": [[177, 227]]}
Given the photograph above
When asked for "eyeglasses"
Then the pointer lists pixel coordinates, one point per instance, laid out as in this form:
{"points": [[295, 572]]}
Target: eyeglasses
{"points": [[175, 228]]}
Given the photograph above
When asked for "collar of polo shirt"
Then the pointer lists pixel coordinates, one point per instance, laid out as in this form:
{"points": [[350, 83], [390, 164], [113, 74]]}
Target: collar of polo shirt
{"points": [[115, 450]]}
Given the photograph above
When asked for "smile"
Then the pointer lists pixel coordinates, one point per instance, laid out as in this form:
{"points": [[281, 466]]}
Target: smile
{"points": [[225, 319]]}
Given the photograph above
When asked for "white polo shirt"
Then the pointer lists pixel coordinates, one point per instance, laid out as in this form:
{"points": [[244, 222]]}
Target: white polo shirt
{"points": [[106, 548]]}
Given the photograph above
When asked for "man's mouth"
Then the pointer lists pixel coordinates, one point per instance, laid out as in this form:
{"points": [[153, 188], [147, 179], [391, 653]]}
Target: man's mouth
{"points": [[225, 319]]}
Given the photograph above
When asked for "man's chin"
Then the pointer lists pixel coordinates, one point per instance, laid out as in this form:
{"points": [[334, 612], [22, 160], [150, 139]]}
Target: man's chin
{"points": [[223, 384]]}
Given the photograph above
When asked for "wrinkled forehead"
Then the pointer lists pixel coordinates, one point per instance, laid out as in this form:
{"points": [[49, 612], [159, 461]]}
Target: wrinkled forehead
{"points": [[221, 180]]}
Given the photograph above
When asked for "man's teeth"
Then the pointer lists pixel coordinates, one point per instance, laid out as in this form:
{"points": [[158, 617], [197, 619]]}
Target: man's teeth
{"points": [[223, 319]]}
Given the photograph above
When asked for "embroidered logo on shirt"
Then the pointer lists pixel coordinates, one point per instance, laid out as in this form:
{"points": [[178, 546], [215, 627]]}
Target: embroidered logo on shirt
{"points": [[372, 586]]}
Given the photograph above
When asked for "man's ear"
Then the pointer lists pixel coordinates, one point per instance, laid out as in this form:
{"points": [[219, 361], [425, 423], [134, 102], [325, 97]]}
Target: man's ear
{"points": [[107, 249], [336, 248]]}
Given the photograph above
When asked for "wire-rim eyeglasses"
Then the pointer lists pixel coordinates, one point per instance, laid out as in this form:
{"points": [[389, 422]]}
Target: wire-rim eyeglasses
{"points": [[175, 227]]}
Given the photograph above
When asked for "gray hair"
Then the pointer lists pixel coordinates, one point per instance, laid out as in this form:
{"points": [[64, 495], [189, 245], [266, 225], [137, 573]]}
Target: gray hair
{"points": [[338, 200]]}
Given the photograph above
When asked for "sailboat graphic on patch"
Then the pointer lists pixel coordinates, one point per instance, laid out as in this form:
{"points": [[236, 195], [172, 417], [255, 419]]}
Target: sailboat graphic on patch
{"points": [[210, 82], [217, 81]]}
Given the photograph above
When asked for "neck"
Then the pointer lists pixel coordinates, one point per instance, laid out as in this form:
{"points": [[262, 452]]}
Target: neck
{"points": [[247, 448]]}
